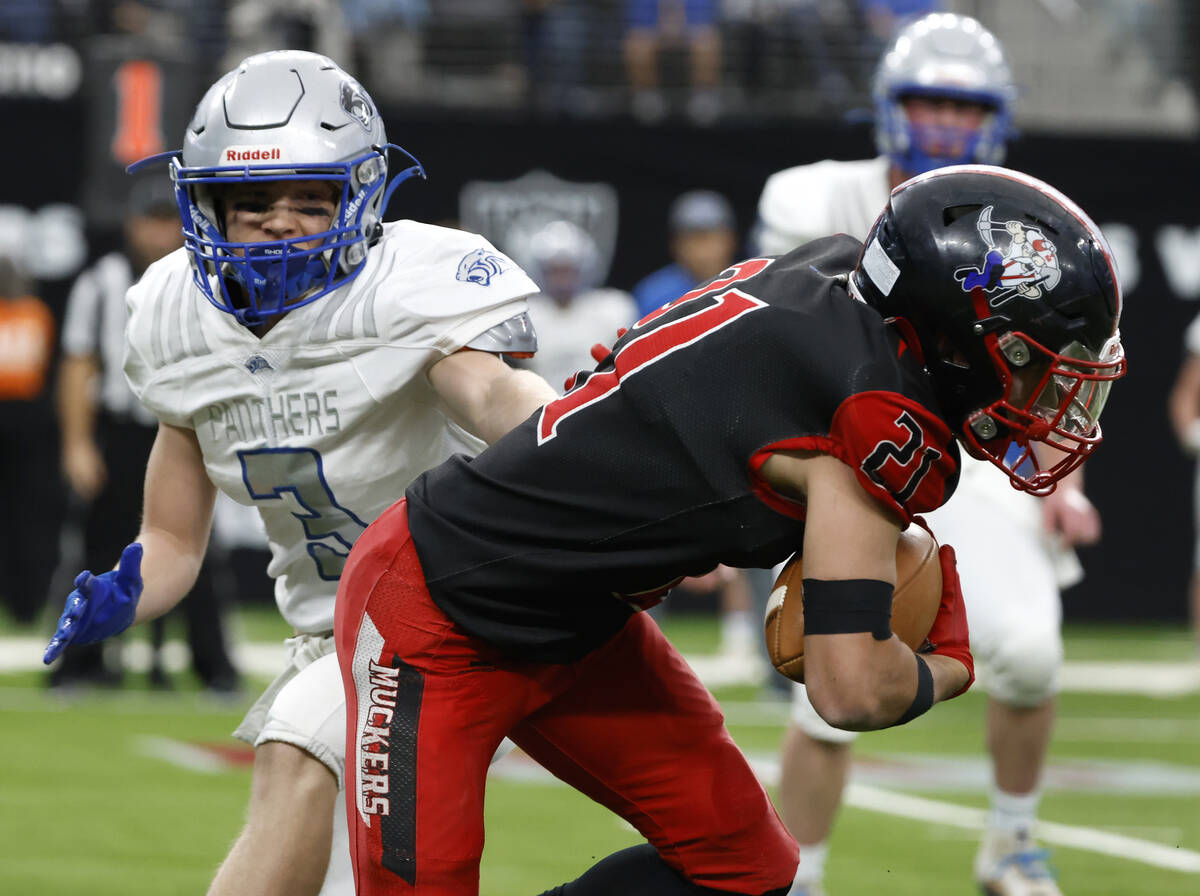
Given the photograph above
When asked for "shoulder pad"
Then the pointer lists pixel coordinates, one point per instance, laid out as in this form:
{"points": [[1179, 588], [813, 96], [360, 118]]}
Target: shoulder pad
{"points": [[514, 336]]}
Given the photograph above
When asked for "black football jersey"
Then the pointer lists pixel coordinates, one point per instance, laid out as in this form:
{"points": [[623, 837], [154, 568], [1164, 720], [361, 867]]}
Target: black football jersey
{"points": [[646, 469]]}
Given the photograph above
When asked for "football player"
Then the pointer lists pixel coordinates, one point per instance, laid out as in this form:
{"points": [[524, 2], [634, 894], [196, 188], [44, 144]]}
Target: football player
{"points": [[574, 310], [812, 401], [308, 359], [943, 94]]}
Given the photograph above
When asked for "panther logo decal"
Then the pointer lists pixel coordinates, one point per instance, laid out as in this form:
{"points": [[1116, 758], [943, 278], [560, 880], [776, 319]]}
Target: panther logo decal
{"points": [[481, 266], [356, 104]]}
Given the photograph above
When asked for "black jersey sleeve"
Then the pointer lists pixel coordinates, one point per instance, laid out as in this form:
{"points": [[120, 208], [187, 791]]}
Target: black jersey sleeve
{"points": [[903, 455]]}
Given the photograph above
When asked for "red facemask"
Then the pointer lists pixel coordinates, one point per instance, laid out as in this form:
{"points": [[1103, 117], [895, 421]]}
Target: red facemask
{"points": [[1052, 400]]}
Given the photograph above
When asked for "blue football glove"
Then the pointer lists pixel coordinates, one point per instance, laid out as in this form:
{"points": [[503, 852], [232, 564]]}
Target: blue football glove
{"points": [[100, 606]]}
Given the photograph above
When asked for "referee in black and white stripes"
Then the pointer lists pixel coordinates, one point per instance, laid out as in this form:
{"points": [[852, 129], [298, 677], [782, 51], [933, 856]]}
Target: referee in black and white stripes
{"points": [[107, 436]]}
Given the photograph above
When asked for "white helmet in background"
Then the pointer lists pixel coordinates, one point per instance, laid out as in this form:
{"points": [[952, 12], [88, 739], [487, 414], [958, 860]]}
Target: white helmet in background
{"points": [[942, 55], [563, 260], [283, 115]]}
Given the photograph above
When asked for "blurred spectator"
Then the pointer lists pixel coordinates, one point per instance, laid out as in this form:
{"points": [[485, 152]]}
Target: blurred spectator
{"points": [[107, 436], [256, 26], [825, 36], [30, 500], [162, 27], [1184, 409], [703, 242], [27, 21], [571, 313], [387, 40], [556, 41], [194, 29], [656, 24]]}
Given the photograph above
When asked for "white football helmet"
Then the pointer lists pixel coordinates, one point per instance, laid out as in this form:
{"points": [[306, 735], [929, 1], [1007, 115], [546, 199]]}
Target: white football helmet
{"points": [[942, 55], [563, 259], [282, 115]]}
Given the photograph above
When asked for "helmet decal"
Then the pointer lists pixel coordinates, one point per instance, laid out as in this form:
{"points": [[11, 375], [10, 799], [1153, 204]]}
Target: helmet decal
{"points": [[232, 154], [356, 104], [881, 269], [1020, 262]]}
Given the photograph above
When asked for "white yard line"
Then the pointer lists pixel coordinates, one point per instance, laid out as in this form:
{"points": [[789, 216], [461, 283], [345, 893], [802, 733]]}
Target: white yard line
{"points": [[1174, 858], [516, 767], [889, 802], [22, 654], [183, 755], [1149, 678], [1142, 677]]}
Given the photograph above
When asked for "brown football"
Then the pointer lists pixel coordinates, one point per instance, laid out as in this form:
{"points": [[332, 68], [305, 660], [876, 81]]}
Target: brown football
{"points": [[914, 602]]}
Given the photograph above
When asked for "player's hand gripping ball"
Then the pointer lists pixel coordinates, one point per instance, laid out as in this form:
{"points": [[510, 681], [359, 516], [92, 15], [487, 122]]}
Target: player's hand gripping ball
{"points": [[915, 601]]}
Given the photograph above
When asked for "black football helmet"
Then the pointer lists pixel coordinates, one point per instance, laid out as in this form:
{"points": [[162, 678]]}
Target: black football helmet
{"points": [[1010, 293]]}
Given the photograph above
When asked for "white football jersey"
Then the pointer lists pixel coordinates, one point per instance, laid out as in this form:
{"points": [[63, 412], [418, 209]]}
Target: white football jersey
{"points": [[324, 421], [566, 334], [804, 203], [1191, 336]]}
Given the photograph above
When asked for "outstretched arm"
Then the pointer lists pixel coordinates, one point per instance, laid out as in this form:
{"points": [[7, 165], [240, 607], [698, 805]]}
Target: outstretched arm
{"points": [[484, 395], [176, 519], [160, 566]]}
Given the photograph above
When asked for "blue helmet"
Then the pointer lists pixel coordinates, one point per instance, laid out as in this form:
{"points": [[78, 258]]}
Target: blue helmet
{"points": [[942, 55], [280, 116]]}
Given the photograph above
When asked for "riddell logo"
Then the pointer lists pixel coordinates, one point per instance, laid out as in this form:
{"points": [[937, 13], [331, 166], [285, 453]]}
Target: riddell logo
{"points": [[252, 154]]}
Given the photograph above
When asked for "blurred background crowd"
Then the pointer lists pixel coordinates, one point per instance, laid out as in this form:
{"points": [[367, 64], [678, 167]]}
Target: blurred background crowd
{"points": [[1119, 64], [615, 148]]}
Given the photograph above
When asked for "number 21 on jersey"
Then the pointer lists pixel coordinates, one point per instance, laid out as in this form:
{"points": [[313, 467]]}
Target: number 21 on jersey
{"points": [[658, 334]]}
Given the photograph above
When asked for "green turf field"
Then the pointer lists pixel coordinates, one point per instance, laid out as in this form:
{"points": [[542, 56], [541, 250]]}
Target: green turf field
{"points": [[102, 793]]}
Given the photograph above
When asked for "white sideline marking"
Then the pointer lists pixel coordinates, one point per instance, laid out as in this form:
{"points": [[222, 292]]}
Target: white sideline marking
{"points": [[1174, 858], [1155, 679], [1150, 678], [266, 660], [861, 796], [916, 772], [186, 756], [519, 767]]}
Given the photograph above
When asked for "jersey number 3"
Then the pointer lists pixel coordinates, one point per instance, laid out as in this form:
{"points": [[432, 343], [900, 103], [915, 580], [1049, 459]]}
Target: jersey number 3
{"points": [[297, 477], [655, 336]]}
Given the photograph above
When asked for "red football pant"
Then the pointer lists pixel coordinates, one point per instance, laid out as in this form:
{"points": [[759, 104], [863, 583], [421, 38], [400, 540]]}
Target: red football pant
{"points": [[629, 725]]}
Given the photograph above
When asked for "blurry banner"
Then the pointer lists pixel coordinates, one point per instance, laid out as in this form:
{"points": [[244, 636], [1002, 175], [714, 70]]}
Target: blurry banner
{"points": [[139, 103], [509, 213]]}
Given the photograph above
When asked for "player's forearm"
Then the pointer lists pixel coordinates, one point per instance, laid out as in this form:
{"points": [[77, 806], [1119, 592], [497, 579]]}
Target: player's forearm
{"points": [[75, 404], [169, 570], [875, 688], [949, 676], [510, 400]]}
